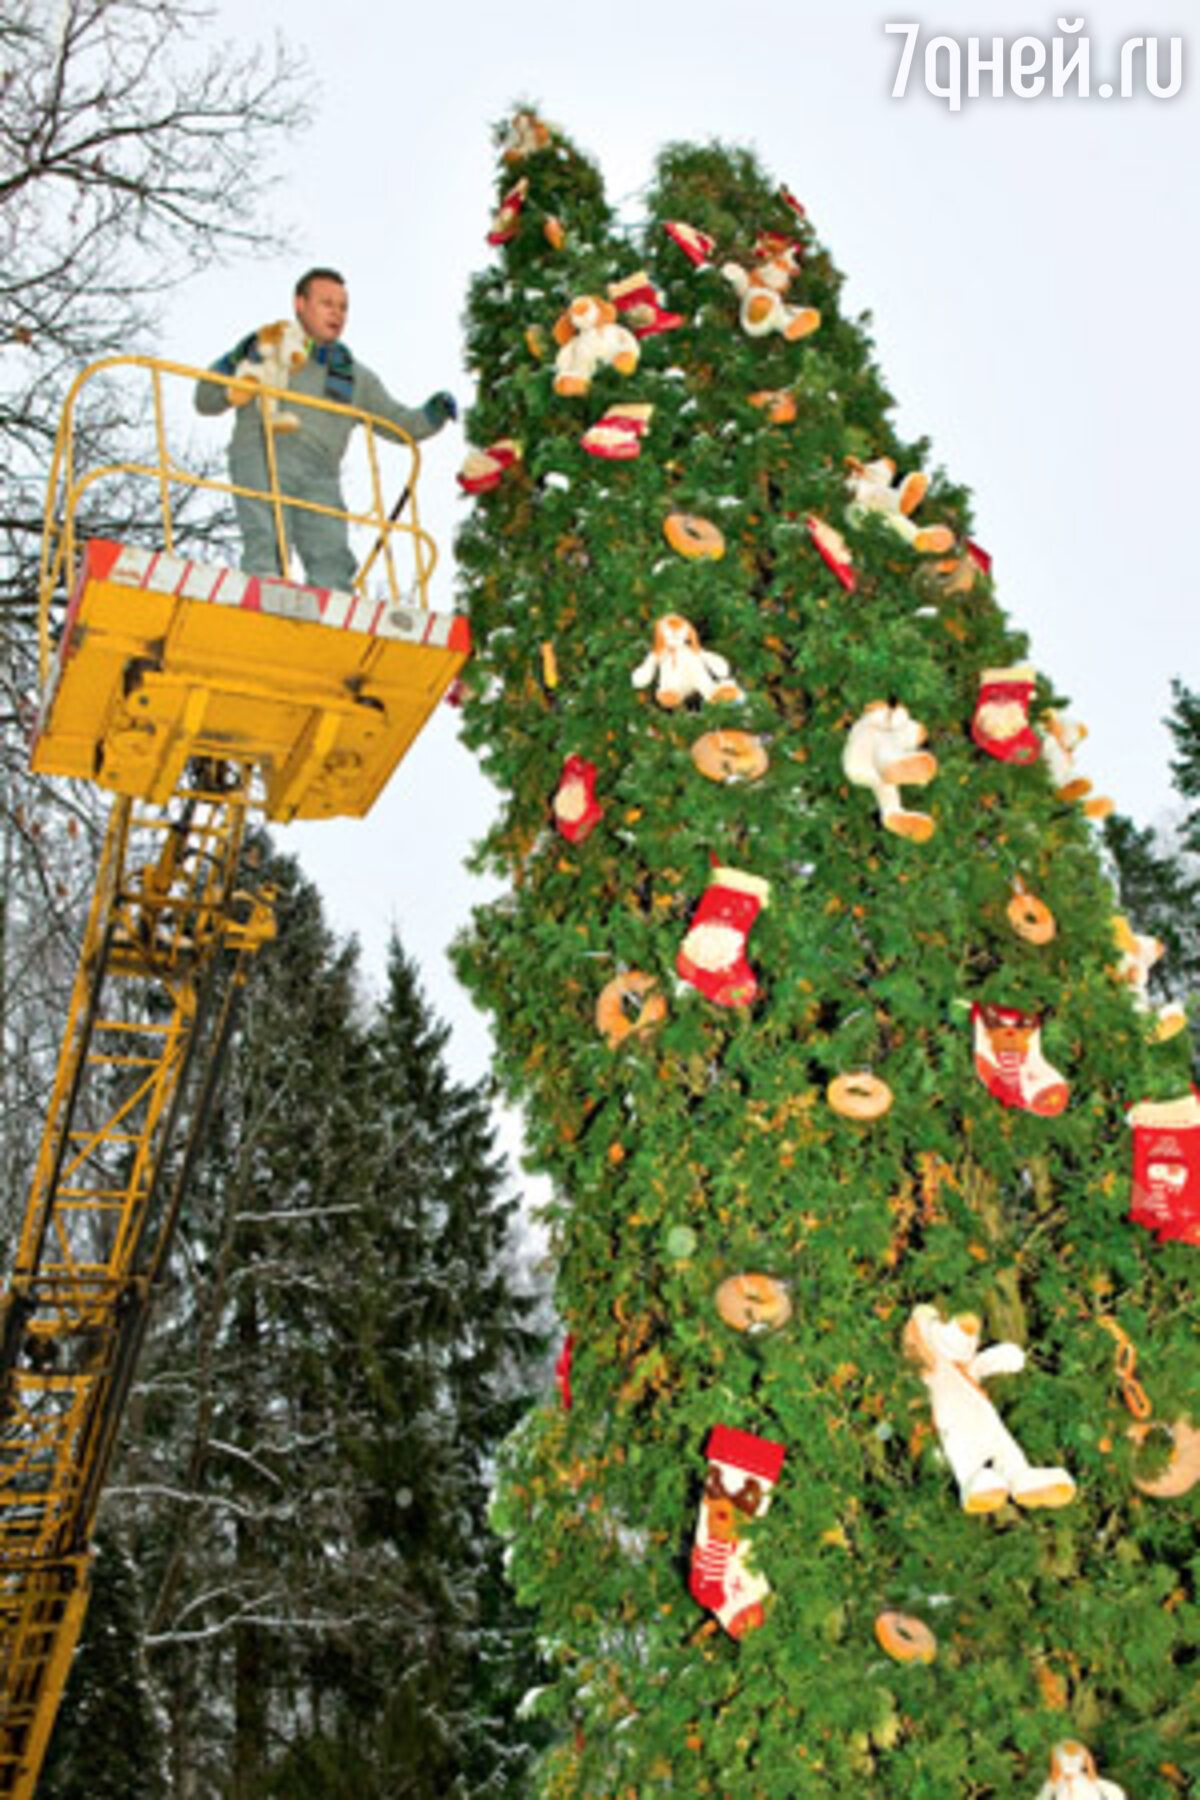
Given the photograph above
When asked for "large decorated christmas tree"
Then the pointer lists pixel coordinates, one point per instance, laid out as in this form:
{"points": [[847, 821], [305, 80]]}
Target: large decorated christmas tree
{"points": [[876, 1187]]}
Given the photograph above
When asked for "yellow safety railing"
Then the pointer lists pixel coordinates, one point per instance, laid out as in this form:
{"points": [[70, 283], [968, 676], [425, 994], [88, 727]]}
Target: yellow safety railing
{"points": [[69, 482]]}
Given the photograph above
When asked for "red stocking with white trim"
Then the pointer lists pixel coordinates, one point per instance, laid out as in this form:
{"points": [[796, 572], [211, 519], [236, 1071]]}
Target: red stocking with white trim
{"points": [[742, 1470]]}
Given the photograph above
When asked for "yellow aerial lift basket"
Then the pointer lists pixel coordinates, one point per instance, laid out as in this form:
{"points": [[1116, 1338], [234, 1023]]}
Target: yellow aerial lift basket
{"points": [[165, 656]]}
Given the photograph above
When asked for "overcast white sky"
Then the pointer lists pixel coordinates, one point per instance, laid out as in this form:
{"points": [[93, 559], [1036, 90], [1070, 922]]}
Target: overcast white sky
{"points": [[1031, 265]]}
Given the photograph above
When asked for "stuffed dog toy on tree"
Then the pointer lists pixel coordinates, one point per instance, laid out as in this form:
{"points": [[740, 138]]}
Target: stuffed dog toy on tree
{"points": [[761, 289], [875, 493], [884, 750], [683, 667], [988, 1463], [589, 338], [1073, 1776], [1138, 955], [1062, 737]]}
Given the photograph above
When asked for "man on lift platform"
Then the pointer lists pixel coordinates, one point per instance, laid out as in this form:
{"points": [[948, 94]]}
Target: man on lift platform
{"points": [[308, 457]]}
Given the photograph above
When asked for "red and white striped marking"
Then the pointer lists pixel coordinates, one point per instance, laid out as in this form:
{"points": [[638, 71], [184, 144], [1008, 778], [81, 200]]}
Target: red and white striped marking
{"points": [[162, 573]]}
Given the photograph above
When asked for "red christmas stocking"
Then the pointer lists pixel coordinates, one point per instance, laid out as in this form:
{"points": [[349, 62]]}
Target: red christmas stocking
{"points": [[508, 213], [484, 470], [1166, 1168], [1010, 1063], [742, 1470], [697, 246], [639, 307], [562, 1371], [576, 809], [1001, 723], [833, 550], [617, 436], [713, 954]]}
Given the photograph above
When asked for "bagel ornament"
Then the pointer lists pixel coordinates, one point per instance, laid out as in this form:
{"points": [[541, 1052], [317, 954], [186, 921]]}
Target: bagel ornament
{"points": [[754, 1303], [906, 1640], [629, 1006], [1030, 917], [949, 577], [1182, 1470], [682, 668], [954, 576], [859, 1095], [778, 404], [730, 756], [697, 539]]}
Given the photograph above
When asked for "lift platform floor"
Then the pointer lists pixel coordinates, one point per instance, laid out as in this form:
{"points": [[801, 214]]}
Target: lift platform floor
{"points": [[163, 658]]}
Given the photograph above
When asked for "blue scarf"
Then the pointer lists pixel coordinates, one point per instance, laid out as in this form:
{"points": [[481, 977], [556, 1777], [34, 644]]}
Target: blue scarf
{"points": [[339, 370]]}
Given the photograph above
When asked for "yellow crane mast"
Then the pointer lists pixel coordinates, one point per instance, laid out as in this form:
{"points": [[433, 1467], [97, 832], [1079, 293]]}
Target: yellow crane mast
{"points": [[201, 697]]}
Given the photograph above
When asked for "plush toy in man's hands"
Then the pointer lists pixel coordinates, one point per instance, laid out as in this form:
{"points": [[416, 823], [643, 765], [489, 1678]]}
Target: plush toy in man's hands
{"points": [[277, 352]]}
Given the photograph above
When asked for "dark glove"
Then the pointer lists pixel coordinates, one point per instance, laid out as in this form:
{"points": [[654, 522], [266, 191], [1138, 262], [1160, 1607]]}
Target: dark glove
{"points": [[440, 408]]}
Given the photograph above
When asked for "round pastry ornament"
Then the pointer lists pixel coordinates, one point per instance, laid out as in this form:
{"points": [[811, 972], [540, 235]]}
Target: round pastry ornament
{"points": [[777, 403], [628, 1005], [904, 1638], [730, 756], [859, 1095], [754, 1302], [1182, 1471], [1030, 917], [693, 537]]}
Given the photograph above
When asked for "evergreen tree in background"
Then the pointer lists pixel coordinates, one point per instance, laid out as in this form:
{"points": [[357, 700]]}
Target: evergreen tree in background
{"points": [[710, 954], [334, 1364], [441, 1345], [1158, 877], [1185, 729]]}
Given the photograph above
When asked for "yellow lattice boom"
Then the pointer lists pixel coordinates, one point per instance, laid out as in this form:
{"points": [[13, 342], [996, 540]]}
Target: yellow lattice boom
{"points": [[200, 696]]}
